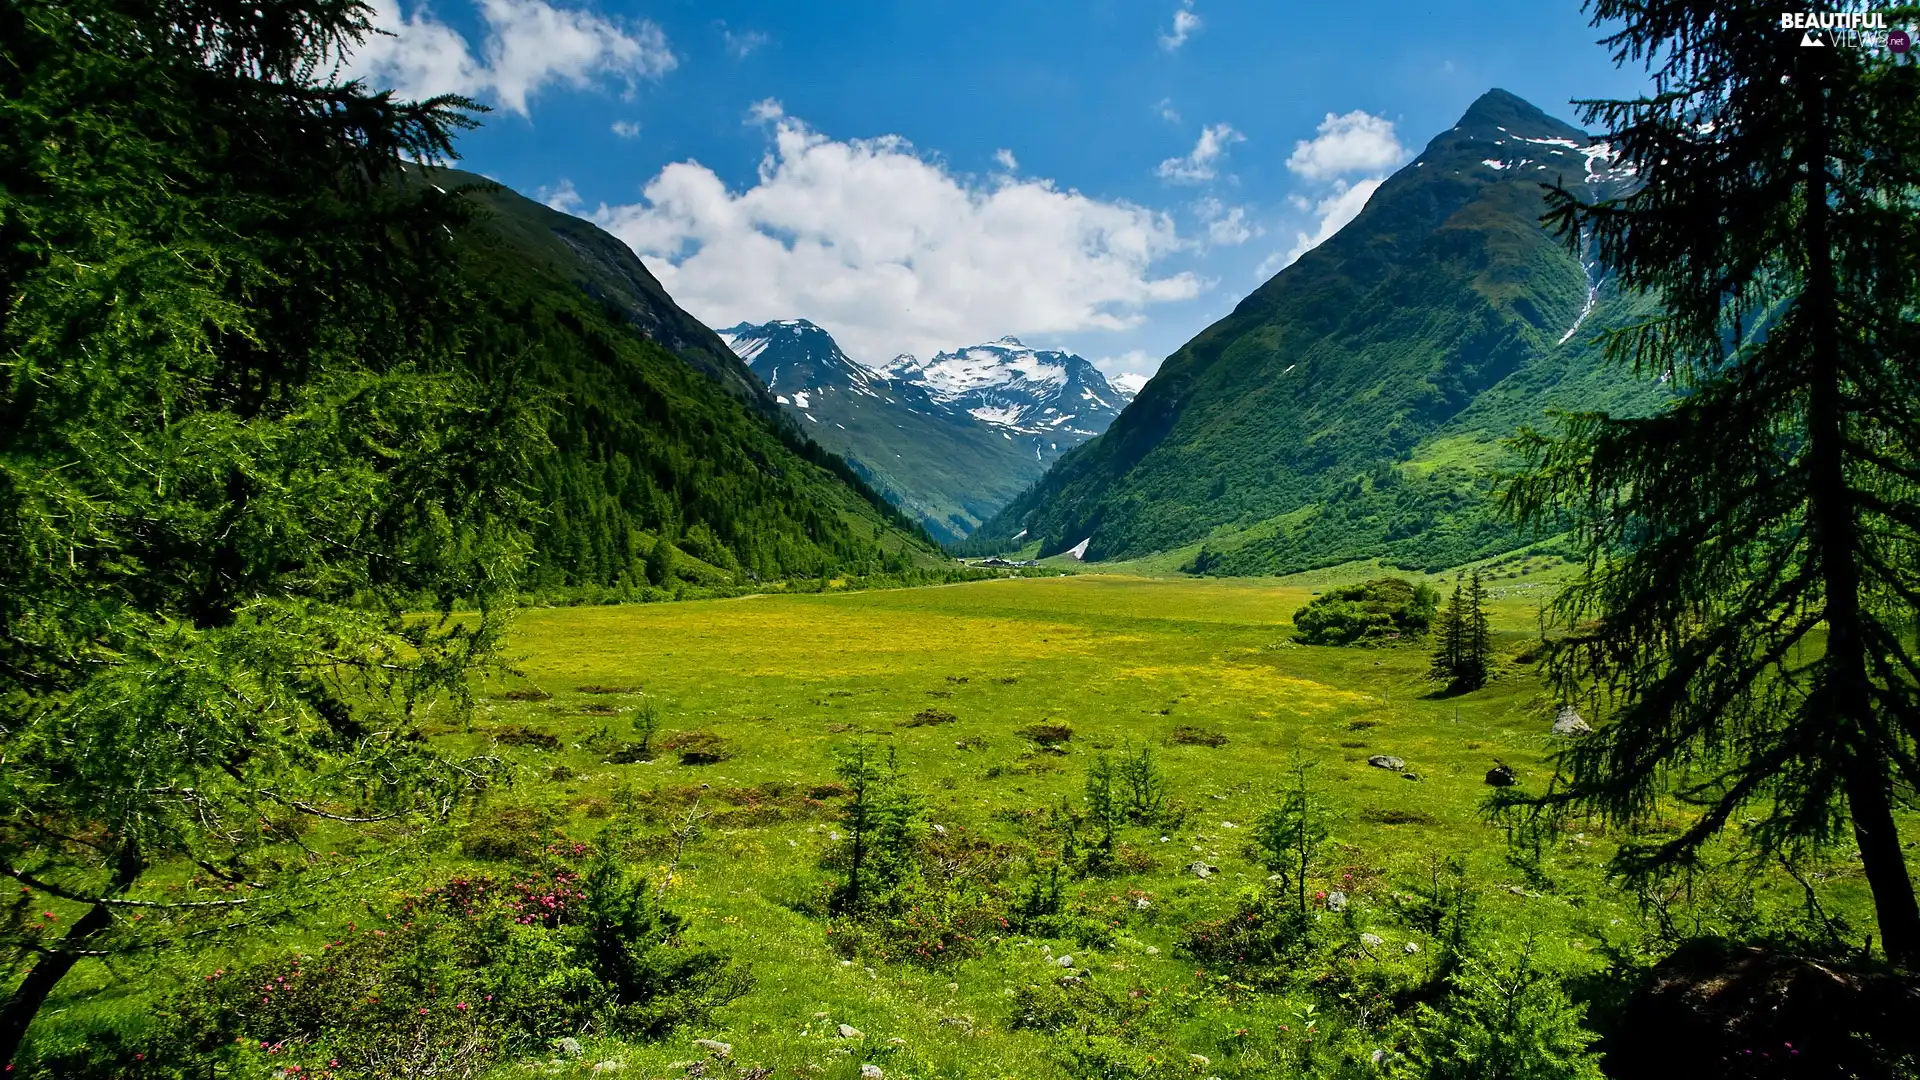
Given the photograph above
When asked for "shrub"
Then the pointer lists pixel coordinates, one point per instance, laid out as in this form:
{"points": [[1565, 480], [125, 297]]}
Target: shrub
{"points": [[1046, 736], [1511, 1021], [1188, 735], [526, 693], [1377, 611], [521, 735], [462, 974], [513, 831], [927, 717], [697, 747]]}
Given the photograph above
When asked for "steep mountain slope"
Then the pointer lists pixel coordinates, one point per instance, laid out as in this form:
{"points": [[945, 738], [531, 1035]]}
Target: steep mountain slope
{"points": [[1353, 405], [950, 442], [672, 464]]}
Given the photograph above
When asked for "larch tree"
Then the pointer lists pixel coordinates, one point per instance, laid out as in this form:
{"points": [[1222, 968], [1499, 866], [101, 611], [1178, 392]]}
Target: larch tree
{"points": [[1747, 604], [245, 439]]}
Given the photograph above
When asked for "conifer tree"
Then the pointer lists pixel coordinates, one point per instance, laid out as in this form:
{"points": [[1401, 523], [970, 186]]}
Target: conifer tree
{"points": [[1476, 639], [1450, 645], [1751, 567], [246, 427]]}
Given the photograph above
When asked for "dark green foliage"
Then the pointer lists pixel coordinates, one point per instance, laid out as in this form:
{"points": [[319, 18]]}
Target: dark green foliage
{"points": [[882, 819], [465, 973], [1142, 787], [248, 421], [1104, 812], [646, 724], [1379, 610], [1747, 608], [1510, 1021], [1290, 835], [1353, 406], [1463, 651], [672, 470]]}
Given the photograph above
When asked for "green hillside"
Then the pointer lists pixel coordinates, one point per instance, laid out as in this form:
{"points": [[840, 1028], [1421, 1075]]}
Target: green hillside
{"points": [[1353, 406], [660, 433]]}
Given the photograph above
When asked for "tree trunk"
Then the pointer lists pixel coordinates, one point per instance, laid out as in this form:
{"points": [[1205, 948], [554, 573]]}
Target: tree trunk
{"points": [[32, 992], [1836, 540]]}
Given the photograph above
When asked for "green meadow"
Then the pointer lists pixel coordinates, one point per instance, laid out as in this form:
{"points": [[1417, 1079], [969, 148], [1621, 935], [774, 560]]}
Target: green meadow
{"points": [[944, 679]]}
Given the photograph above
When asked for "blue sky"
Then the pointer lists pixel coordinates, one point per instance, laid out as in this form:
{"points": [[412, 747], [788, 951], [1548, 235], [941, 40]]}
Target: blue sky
{"points": [[1108, 177]]}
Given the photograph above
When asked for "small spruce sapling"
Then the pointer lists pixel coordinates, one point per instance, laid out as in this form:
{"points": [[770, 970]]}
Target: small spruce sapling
{"points": [[1143, 787], [1290, 836], [1103, 813]]}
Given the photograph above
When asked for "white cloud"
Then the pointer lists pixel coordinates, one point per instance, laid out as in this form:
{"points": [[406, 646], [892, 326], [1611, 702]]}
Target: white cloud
{"points": [[1167, 111], [742, 44], [766, 109], [1342, 205], [529, 45], [1004, 158], [626, 129], [1226, 225], [892, 252], [1203, 163], [1355, 142], [561, 197], [1131, 368], [1185, 22]]}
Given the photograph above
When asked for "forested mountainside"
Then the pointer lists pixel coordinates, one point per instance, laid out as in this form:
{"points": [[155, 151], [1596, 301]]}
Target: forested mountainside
{"points": [[1355, 405], [671, 462]]}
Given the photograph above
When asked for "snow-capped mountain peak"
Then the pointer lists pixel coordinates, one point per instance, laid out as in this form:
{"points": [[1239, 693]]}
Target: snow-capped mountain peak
{"points": [[1014, 386]]}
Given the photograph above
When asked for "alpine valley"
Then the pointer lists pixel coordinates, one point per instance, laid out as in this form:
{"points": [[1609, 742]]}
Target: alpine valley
{"points": [[950, 440], [1355, 406]]}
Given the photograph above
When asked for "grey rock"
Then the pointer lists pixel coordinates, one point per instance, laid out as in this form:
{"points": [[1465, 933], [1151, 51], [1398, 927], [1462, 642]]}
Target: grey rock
{"points": [[1336, 901], [848, 1031], [1386, 761], [1202, 870], [1568, 724], [715, 1047], [1065, 961], [571, 1047], [870, 1071]]}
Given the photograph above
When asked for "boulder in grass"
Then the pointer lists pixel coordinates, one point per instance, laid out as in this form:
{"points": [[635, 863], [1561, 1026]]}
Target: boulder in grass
{"points": [[1387, 761], [1568, 724]]}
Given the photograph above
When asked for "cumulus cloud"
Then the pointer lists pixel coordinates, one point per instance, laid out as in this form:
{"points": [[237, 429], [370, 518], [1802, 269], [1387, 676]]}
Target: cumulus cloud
{"points": [[893, 252], [1226, 225], [1167, 111], [766, 110], [1331, 214], [529, 45], [1185, 22], [626, 129], [1355, 142], [1004, 158], [1203, 162]]}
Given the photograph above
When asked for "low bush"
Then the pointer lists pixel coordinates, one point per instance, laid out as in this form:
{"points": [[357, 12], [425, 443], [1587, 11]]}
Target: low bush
{"points": [[928, 717], [697, 747], [521, 735], [1188, 735], [459, 976], [1378, 611]]}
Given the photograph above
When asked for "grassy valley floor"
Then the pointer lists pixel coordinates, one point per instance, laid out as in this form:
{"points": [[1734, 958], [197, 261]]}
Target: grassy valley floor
{"points": [[1125, 662]]}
